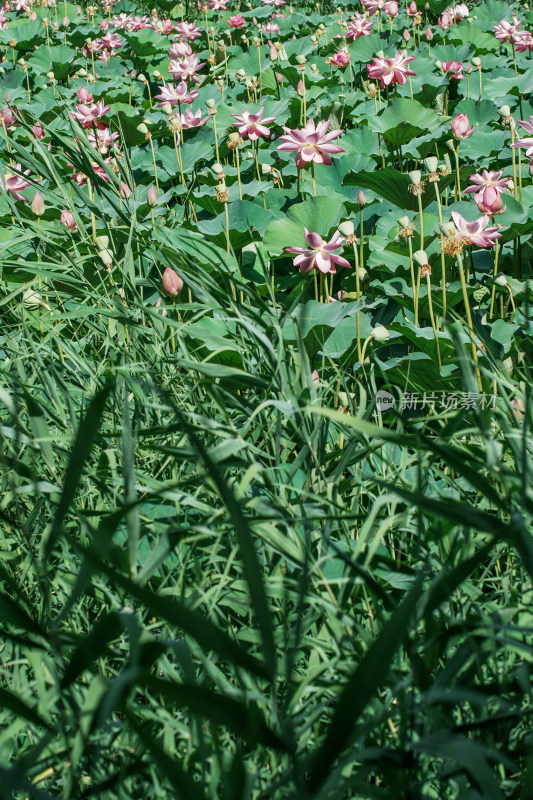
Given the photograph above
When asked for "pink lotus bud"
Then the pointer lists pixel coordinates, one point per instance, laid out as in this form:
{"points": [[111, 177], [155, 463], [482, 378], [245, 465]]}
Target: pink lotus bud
{"points": [[33, 16], [279, 77], [124, 190], [152, 197], [171, 282], [461, 127], [104, 25], [68, 220], [300, 88], [429, 34], [38, 131], [84, 96], [489, 202], [406, 35], [37, 204], [341, 58], [427, 6], [315, 377], [164, 312], [391, 9], [273, 53], [412, 8], [66, 22], [361, 199]]}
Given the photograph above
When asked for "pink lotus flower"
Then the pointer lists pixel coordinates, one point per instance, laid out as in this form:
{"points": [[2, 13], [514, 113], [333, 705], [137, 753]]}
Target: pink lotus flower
{"points": [[253, 125], [272, 27], [311, 143], [446, 20], [190, 120], [475, 232], [373, 6], [459, 12], [88, 115], [391, 70], [68, 220], [320, 254], [528, 141], [186, 69], [412, 10], [487, 178], [340, 59], [391, 9], [523, 41], [14, 184], [460, 127], [8, 118], [101, 138], [218, 5], [275, 3], [505, 30], [237, 22], [84, 96], [37, 131], [454, 67], [188, 30], [489, 201], [179, 50], [358, 26], [176, 94], [110, 42]]}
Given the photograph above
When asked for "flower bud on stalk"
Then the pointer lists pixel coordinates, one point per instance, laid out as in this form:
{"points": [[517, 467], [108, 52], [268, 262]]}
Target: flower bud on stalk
{"points": [[171, 282]]}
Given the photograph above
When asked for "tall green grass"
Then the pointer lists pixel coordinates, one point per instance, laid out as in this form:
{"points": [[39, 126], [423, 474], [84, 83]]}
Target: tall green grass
{"points": [[219, 578]]}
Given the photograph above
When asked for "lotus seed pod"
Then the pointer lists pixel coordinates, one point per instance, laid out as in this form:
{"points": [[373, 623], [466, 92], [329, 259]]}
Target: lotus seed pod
{"points": [[107, 258], [476, 61], [301, 59], [415, 176], [501, 280], [152, 197], [438, 64], [431, 163], [266, 169], [421, 258], [171, 282], [380, 334], [210, 103], [505, 111], [142, 128], [31, 298], [217, 168], [347, 228], [448, 229], [166, 108], [403, 222], [102, 242]]}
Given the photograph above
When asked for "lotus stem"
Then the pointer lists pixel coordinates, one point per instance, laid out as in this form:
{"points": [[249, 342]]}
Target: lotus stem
{"points": [[469, 320], [494, 273]]}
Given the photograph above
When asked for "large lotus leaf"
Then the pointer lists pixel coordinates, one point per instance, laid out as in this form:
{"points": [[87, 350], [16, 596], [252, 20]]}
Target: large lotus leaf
{"points": [[319, 322], [470, 34], [388, 183], [61, 60], [403, 119], [26, 34], [362, 50], [318, 214], [483, 144], [246, 220], [490, 13], [146, 42], [479, 112]]}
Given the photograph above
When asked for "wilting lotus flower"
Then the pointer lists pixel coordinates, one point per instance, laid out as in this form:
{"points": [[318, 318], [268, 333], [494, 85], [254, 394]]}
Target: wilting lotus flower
{"points": [[454, 67], [68, 220], [358, 26], [528, 141], [311, 143], [237, 22], [489, 201], [340, 59], [391, 70], [171, 282], [505, 30], [461, 11], [461, 127], [320, 254], [475, 232], [253, 125], [176, 94], [218, 5], [14, 184]]}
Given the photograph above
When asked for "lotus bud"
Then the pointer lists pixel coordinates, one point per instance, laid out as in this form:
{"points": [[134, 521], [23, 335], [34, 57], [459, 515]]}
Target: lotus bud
{"points": [[300, 89], [361, 199], [429, 34], [461, 127], [415, 176], [347, 228], [68, 220], [171, 282], [431, 164], [66, 22], [421, 258], [37, 204], [406, 35], [380, 334], [489, 202], [152, 197]]}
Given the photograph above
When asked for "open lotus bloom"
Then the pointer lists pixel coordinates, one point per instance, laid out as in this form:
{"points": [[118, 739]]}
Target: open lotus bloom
{"points": [[391, 70], [312, 143], [475, 232], [320, 254], [528, 140], [253, 126], [487, 178]]}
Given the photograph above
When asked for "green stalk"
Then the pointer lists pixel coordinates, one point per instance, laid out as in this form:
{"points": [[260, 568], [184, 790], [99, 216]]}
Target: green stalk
{"points": [[469, 320]]}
